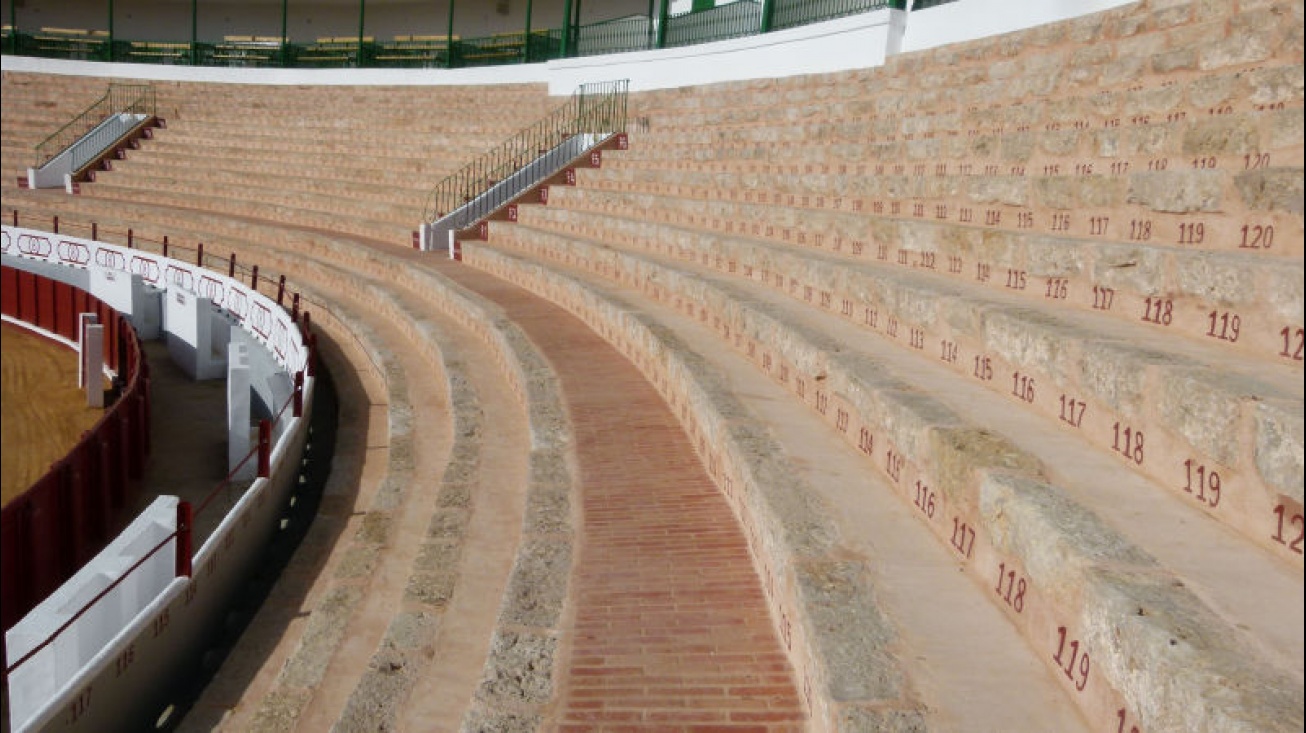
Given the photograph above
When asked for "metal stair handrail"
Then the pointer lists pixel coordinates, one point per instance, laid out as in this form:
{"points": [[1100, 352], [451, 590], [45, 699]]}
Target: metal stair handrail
{"points": [[119, 99], [597, 108]]}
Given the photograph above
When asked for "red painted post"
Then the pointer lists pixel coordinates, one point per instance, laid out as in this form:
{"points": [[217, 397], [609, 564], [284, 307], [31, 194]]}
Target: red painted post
{"points": [[56, 223], [199, 258], [281, 289], [15, 217], [143, 416], [185, 539], [95, 231], [308, 324], [165, 245], [298, 404], [294, 309], [131, 438], [312, 354], [231, 266], [129, 238], [253, 280], [264, 448]]}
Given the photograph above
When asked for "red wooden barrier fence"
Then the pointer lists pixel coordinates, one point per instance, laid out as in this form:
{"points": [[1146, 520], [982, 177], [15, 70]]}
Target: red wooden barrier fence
{"points": [[49, 532]]}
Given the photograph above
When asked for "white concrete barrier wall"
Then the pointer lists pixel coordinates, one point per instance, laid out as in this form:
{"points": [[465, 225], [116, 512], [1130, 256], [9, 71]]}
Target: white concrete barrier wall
{"points": [[257, 314], [34, 687], [124, 650], [968, 20]]}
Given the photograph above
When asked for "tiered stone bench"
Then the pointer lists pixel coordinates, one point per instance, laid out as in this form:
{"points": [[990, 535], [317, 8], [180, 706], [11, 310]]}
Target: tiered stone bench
{"points": [[1099, 327], [1041, 293]]}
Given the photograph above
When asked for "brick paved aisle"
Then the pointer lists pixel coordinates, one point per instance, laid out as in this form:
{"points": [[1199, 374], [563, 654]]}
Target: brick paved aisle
{"points": [[671, 629]]}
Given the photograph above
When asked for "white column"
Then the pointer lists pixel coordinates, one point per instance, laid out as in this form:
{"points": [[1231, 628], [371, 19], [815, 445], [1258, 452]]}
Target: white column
{"points": [[238, 441]]}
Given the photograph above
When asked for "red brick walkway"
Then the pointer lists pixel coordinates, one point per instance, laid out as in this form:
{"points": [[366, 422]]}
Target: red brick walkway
{"points": [[671, 628]]}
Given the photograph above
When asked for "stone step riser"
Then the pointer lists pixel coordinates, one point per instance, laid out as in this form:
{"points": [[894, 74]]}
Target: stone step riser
{"points": [[1130, 281], [910, 449], [1096, 387]]}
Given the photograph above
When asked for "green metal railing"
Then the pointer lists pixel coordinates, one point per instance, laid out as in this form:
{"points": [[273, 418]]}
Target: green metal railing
{"points": [[119, 99], [627, 33], [740, 18], [594, 108], [793, 13], [507, 48], [630, 33]]}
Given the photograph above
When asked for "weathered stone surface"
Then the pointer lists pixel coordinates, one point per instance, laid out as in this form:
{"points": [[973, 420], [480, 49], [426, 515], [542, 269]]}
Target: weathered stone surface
{"points": [[1179, 666], [1107, 143], [962, 315], [1157, 101], [1059, 541], [853, 638], [1116, 373], [1030, 338], [279, 710], [1283, 288], [374, 529], [1285, 128], [548, 511], [1176, 192], [447, 524], [959, 453], [1123, 70], [1147, 140], [496, 721], [1100, 191], [1018, 147], [1060, 143], [1006, 190], [1057, 192], [358, 562], [519, 669], [1279, 441], [1216, 278], [435, 573], [1129, 267], [405, 651], [879, 720], [1201, 406], [1207, 91], [1065, 110], [1234, 49], [1052, 257], [538, 585], [326, 626], [1143, 46], [1276, 84], [1170, 17], [1225, 135], [1184, 59], [908, 417], [914, 305], [1271, 189], [1087, 29]]}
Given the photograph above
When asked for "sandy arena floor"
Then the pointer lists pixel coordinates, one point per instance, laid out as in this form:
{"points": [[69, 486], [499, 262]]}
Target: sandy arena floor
{"points": [[44, 413]]}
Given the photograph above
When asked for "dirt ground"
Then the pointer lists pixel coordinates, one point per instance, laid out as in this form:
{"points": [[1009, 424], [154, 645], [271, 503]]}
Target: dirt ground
{"points": [[44, 413]]}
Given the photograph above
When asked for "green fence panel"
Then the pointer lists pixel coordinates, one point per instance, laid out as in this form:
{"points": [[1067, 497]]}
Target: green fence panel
{"points": [[631, 33], [735, 20], [793, 13]]}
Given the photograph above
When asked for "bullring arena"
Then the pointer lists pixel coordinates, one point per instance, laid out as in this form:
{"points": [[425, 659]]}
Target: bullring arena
{"points": [[43, 429], [957, 389]]}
